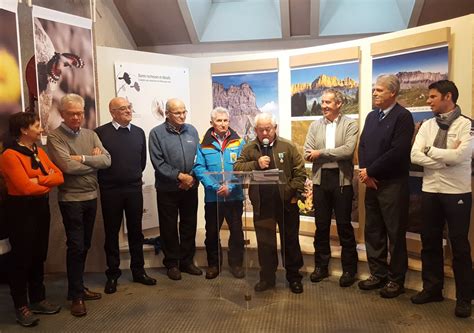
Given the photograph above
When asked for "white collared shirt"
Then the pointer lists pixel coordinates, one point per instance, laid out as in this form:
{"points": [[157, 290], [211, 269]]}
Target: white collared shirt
{"points": [[331, 140], [116, 125]]}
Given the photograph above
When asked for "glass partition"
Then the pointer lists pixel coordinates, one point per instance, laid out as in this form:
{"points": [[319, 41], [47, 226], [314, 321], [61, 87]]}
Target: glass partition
{"points": [[250, 254]]}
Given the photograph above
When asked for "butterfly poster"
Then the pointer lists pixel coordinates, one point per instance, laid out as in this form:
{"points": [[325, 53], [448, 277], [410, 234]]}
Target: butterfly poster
{"points": [[64, 64], [10, 66]]}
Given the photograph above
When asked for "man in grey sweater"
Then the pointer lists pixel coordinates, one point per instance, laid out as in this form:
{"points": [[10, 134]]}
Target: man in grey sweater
{"points": [[330, 145], [79, 153]]}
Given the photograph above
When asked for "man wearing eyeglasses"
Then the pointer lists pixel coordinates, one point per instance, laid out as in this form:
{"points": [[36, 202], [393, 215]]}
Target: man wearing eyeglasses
{"points": [[121, 191], [173, 146], [79, 153]]}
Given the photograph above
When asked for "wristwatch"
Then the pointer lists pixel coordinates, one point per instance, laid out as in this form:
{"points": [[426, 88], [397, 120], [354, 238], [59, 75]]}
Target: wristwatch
{"points": [[426, 150]]}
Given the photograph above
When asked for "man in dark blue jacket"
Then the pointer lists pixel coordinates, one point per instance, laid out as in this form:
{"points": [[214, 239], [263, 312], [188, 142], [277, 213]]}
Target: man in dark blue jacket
{"points": [[218, 151], [173, 146], [121, 191], [384, 161]]}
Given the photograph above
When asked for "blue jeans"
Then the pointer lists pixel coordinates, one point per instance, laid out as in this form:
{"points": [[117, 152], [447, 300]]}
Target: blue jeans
{"points": [[78, 220]]}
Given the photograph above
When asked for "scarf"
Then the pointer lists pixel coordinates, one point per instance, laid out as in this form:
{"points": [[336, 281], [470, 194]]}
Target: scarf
{"points": [[35, 161], [443, 124]]}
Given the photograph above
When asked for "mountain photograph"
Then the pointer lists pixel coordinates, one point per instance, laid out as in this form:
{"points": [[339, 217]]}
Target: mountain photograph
{"points": [[309, 83]]}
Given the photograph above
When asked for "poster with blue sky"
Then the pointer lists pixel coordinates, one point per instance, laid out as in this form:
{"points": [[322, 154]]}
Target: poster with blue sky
{"points": [[308, 84], [416, 70], [245, 95]]}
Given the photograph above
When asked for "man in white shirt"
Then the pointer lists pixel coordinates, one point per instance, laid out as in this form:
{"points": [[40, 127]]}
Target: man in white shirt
{"points": [[443, 147], [330, 145]]}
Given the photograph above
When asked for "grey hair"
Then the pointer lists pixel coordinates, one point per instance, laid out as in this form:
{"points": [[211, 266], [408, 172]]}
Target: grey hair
{"points": [[70, 98], [338, 96], [390, 81], [219, 110], [265, 116]]}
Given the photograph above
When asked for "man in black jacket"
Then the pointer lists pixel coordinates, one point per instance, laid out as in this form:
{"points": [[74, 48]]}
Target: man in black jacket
{"points": [[384, 161]]}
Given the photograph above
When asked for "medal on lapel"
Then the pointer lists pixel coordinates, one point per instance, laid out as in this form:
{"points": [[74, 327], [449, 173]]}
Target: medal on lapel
{"points": [[281, 156]]}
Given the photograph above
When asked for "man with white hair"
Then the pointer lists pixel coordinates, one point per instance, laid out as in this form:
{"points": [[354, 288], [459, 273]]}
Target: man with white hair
{"points": [[274, 204], [218, 151]]}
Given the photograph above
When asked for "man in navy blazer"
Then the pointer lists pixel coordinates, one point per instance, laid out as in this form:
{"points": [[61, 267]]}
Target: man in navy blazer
{"points": [[384, 161]]}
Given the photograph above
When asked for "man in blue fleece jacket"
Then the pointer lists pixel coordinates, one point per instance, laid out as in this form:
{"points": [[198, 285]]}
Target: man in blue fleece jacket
{"points": [[173, 146]]}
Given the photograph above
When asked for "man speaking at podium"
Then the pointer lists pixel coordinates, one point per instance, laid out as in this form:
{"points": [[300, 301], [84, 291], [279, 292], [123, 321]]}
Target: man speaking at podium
{"points": [[267, 152]]}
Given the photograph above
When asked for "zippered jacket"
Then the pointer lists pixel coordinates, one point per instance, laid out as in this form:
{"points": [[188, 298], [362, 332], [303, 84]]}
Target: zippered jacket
{"points": [[211, 157]]}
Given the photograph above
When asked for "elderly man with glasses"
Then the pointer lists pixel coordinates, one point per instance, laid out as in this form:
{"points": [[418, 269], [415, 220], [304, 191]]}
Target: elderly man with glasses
{"points": [[121, 191], [79, 153], [173, 147]]}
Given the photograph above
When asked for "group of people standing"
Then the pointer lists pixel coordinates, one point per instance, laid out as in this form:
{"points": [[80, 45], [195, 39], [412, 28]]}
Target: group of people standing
{"points": [[113, 157], [387, 146]]}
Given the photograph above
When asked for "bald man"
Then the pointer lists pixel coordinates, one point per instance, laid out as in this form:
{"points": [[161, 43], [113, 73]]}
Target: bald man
{"points": [[121, 191], [173, 147]]}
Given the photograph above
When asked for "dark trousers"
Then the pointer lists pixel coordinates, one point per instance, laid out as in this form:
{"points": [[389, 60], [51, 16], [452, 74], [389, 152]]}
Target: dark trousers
{"points": [[455, 210], [265, 230], [214, 215], [114, 204], [327, 197], [386, 216], [28, 225], [78, 220], [178, 240]]}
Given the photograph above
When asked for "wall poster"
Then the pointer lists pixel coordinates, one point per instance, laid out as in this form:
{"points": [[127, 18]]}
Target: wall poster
{"points": [[245, 95], [10, 66], [148, 87], [416, 70], [64, 64]]}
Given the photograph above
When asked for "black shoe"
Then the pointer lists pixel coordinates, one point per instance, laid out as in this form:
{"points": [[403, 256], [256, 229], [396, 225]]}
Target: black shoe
{"points": [[347, 279], [463, 309], [391, 290], [212, 272], [191, 269], [110, 286], [371, 283], [174, 273], [296, 287], [238, 272], [144, 279], [44, 307], [319, 274], [426, 296], [263, 285], [25, 317]]}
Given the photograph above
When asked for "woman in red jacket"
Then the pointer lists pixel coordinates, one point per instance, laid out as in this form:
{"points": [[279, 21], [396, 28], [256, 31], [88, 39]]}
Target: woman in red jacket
{"points": [[29, 175]]}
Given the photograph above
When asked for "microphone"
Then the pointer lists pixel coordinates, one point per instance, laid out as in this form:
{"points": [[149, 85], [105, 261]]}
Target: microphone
{"points": [[265, 143]]}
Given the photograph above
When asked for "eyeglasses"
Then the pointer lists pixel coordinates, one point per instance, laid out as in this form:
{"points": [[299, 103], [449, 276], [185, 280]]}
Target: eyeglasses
{"points": [[179, 114], [124, 108]]}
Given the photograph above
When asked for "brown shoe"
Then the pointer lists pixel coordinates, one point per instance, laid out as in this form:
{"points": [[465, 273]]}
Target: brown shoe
{"points": [[91, 295], [78, 308], [212, 272]]}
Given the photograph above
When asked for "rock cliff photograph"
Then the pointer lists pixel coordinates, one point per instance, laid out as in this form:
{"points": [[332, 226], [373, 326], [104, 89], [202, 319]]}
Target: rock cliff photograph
{"points": [[309, 83], [416, 70], [246, 95]]}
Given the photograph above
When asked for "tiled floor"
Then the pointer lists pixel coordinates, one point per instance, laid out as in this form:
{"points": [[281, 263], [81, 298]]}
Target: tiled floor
{"points": [[195, 304]]}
